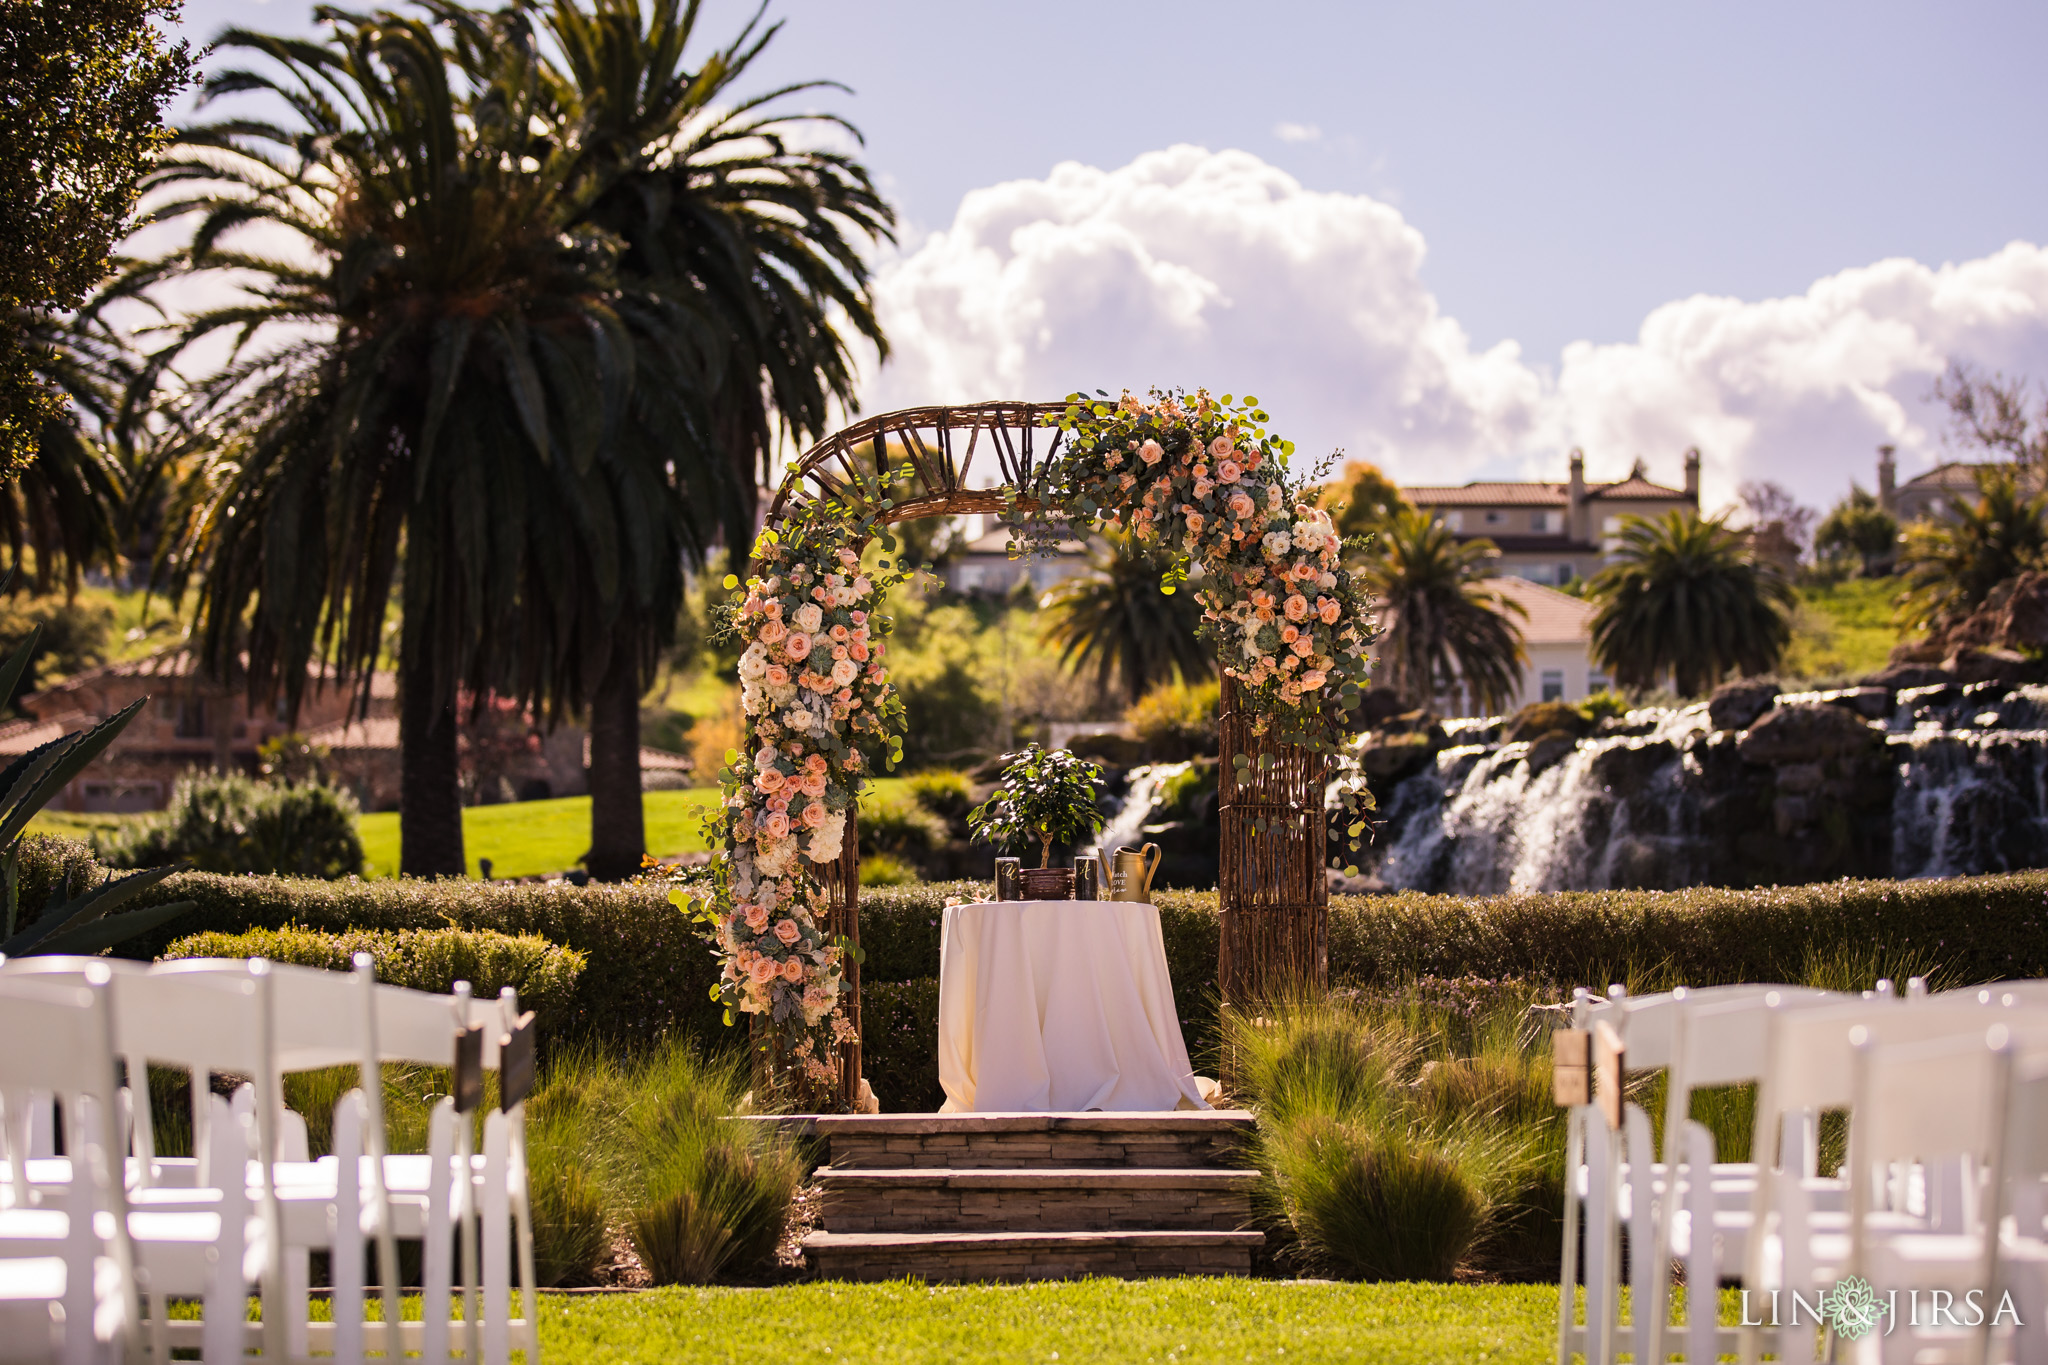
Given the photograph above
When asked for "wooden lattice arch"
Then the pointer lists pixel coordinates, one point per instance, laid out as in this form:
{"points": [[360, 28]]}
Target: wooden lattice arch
{"points": [[1273, 896]]}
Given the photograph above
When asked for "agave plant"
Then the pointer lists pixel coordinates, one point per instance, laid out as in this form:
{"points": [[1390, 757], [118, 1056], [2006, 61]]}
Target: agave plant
{"points": [[82, 922]]}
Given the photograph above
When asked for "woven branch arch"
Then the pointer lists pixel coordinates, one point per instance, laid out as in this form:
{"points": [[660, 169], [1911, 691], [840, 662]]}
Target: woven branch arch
{"points": [[1273, 894]]}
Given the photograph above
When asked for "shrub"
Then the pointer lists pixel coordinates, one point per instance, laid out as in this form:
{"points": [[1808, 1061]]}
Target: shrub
{"points": [[229, 822], [884, 869], [903, 829], [899, 1043], [543, 973], [1177, 720], [950, 717], [946, 793], [1371, 1205]]}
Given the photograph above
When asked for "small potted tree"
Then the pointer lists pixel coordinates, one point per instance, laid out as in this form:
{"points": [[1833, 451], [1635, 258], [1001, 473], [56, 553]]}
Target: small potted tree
{"points": [[1046, 795]]}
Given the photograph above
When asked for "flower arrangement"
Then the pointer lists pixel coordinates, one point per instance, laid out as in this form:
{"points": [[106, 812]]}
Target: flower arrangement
{"points": [[1046, 795], [1204, 480], [1199, 477]]}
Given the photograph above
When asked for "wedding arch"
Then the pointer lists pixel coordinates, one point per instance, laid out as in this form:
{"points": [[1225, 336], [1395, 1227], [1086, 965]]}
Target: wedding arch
{"points": [[1201, 479]]}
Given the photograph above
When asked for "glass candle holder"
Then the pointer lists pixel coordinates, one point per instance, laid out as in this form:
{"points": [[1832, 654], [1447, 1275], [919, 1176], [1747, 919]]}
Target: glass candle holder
{"points": [[1009, 885], [1088, 877]]}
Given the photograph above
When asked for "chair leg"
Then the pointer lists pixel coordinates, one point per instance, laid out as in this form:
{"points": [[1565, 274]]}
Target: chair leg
{"points": [[497, 1251], [1702, 1271], [1642, 1235], [1568, 1266], [346, 1251], [437, 1272]]}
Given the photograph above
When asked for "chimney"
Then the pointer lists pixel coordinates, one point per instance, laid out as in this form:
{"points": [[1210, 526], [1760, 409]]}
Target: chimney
{"points": [[1692, 475], [1887, 479], [1575, 498]]}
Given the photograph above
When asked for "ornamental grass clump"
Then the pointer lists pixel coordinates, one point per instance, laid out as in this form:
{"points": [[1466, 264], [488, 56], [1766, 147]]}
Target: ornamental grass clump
{"points": [[706, 1194], [1399, 1140], [1046, 796]]}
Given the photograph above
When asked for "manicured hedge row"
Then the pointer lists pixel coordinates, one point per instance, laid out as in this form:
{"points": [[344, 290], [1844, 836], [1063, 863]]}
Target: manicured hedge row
{"points": [[543, 973], [647, 972]]}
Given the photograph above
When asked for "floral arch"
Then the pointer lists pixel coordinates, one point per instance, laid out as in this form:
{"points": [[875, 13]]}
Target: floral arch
{"points": [[1201, 479]]}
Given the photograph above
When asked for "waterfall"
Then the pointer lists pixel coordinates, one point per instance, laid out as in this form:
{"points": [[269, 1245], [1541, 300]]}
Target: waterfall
{"points": [[1127, 830], [1665, 800]]}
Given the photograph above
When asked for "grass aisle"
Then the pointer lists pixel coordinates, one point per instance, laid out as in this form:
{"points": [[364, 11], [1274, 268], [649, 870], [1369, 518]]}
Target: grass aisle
{"points": [[1096, 1320]]}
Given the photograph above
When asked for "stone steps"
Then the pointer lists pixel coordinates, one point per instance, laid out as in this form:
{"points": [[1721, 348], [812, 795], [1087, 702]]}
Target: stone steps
{"points": [[1033, 1196], [1022, 1198], [1013, 1256]]}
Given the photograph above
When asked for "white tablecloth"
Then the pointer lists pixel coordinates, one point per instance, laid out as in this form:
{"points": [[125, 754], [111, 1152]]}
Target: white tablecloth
{"points": [[1059, 1006]]}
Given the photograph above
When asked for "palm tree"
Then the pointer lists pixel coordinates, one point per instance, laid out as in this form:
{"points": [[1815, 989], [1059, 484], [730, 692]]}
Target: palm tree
{"points": [[1952, 564], [1118, 620], [65, 506], [443, 370], [1684, 599], [721, 202], [1442, 630]]}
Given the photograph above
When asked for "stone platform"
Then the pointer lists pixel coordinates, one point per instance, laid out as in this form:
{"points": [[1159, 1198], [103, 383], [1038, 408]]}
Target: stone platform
{"points": [[1033, 1196]]}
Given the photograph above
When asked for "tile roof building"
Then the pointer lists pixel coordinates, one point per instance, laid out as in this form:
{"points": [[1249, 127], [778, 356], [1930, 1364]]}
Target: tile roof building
{"points": [[1933, 494], [1552, 533]]}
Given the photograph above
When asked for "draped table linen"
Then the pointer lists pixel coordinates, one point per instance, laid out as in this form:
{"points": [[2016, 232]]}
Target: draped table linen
{"points": [[1059, 1007]]}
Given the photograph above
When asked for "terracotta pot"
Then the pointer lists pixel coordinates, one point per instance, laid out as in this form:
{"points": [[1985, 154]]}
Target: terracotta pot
{"points": [[1048, 883]]}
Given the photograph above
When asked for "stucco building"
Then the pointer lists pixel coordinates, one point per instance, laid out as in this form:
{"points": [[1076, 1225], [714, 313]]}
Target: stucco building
{"points": [[1553, 533]]}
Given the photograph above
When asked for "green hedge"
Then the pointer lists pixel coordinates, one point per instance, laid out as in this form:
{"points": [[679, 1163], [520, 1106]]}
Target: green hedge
{"points": [[648, 973], [543, 973]]}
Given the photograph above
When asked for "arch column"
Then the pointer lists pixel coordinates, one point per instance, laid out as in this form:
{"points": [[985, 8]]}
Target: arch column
{"points": [[1274, 930]]}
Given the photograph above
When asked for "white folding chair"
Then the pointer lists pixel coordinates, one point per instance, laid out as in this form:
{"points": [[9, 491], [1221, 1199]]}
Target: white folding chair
{"points": [[63, 1294]]}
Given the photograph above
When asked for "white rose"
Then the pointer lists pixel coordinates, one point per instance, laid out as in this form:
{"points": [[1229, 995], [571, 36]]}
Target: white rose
{"points": [[798, 718], [809, 618], [754, 662], [844, 672], [1277, 543]]}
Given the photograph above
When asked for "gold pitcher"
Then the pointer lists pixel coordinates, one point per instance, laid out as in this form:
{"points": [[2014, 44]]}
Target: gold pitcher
{"points": [[1131, 872]]}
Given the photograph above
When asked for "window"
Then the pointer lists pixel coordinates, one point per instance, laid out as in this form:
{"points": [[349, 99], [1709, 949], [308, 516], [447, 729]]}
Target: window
{"points": [[1455, 521], [1536, 573], [1553, 684], [1539, 522], [1494, 518], [1565, 574], [192, 718], [1597, 682]]}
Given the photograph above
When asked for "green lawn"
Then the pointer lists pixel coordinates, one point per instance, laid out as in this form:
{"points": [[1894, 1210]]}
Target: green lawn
{"points": [[1091, 1320], [526, 838], [1843, 630]]}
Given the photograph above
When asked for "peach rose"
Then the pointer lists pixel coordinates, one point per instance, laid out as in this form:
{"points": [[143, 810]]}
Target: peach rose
{"points": [[840, 633], [797, 646], [1314, 678], [1241, 506], [1151, 452], [757, 917], [849, 559], [773, 632], [814, 784], [1297, 607], [776, 676], [776, 826], [768, 780], [814, 815], [1303, 647], [860, 618], [1288, 635], [1327, 608], [815, 763], [1229, 471], [763, 970], [858, 652], [779, 801], [793, 970], [1195, 523], [1220, 446], [787, 931]]}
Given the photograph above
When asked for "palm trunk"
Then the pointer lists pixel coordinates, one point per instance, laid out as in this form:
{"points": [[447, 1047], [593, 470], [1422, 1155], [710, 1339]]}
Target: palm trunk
{"points": [[429, 785], [618, 828]]}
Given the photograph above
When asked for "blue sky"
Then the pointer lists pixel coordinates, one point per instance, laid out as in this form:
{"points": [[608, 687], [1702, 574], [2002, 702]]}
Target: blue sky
{"points": [[1560, 172]]}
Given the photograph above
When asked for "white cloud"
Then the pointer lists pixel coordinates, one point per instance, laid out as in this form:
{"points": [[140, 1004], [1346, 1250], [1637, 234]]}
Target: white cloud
{"points": [[1297, 132], [1194, 268], [1188, 267]]}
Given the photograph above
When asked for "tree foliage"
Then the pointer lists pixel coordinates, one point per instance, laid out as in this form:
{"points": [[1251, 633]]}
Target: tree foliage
{"points": [[83, 83], [1118, 621], [1953, 562], [2002, 415], [1442, 630], [1045, 796], [1683, 599], [1362, 500], [1858, 528]]}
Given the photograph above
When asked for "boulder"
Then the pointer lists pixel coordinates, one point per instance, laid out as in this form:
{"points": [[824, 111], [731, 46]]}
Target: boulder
{"points": [[1901, 676], [1540, 719], [1806, 733], [1929, 651], [2023, 622], [2005, 667], [1736, 705], [1390, 758], [1550, 750], [1626, 770], [1378, 706]]}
